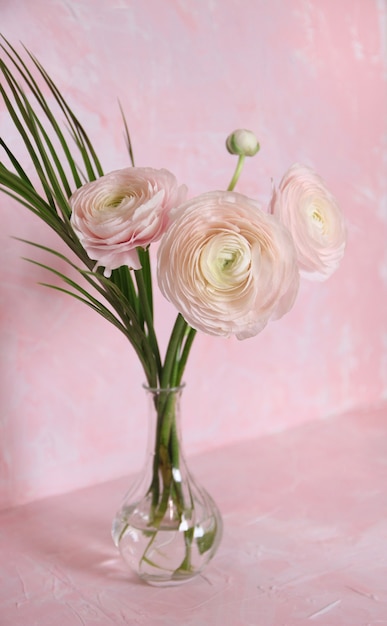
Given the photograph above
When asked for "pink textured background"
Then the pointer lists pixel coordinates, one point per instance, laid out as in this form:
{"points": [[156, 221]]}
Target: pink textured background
{"points": [[309, 78]]}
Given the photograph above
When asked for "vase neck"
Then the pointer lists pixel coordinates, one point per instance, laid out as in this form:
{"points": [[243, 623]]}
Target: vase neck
{"points": [[164, 417]]}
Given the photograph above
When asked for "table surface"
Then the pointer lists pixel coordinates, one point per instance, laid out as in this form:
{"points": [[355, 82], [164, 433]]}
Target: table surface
{"points": [[305, 541]]}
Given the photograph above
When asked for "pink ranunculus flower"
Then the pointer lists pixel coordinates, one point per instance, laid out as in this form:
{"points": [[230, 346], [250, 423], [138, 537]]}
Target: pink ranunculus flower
{"points": [[310, 212], [123, 210], [226, 265]]}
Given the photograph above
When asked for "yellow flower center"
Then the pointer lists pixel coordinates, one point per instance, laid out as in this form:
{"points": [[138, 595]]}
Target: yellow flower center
{"points": [[318, 219], [316, 215]]}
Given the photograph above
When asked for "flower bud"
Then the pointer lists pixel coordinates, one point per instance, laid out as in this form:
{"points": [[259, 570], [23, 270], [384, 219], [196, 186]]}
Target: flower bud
{"points": [[242, 142]]}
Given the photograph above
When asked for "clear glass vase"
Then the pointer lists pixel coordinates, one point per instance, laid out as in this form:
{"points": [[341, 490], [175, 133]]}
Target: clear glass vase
{"points": [[168, 527]]}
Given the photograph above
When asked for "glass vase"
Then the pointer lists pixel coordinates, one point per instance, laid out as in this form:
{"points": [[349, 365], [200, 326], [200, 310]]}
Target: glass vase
{"points": [[168, 527]]}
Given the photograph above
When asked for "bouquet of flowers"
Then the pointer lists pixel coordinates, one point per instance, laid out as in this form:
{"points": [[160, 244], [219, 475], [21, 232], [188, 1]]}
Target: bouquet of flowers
{"points": [[227, 265]]}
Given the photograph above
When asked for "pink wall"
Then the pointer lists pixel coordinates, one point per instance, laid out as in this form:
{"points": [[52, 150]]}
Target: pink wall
{"points": [[309, 78]]}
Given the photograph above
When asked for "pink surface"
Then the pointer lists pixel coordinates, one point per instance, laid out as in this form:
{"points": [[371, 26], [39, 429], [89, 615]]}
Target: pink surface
{"points": [[309, 79], [304, 541]]}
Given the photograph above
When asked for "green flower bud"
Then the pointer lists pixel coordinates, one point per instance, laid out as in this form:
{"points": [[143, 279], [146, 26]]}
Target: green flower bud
{"points": [[242, 142]]}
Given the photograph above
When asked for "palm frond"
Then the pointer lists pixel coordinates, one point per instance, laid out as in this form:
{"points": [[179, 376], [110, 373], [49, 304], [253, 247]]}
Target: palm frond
{"points": [[61, 166], [57, 168], [127, 135]]}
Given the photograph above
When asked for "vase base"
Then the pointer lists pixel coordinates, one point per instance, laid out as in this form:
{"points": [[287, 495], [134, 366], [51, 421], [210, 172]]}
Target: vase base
{"points": [[172, 582]]}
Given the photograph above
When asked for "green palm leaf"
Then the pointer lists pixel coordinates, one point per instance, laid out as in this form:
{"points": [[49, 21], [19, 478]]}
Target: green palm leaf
{"points": [[125, 298]]}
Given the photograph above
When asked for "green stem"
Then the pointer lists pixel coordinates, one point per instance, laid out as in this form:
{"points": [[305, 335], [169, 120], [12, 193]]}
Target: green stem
{"points": [[237, 173], [190, 336], [172, 352], [143, 255], [166, 456], [148, 317], [175, 458]]}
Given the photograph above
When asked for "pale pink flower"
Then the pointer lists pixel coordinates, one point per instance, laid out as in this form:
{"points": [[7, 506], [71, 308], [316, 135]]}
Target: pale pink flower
{"points": [[226, 265], [310, 212], [123, 210]]}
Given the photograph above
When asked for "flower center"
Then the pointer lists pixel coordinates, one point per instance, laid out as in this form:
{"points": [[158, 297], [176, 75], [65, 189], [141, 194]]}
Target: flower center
{"points": [[318, 221], [225, 260], [317, 216], [115, 201]]}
